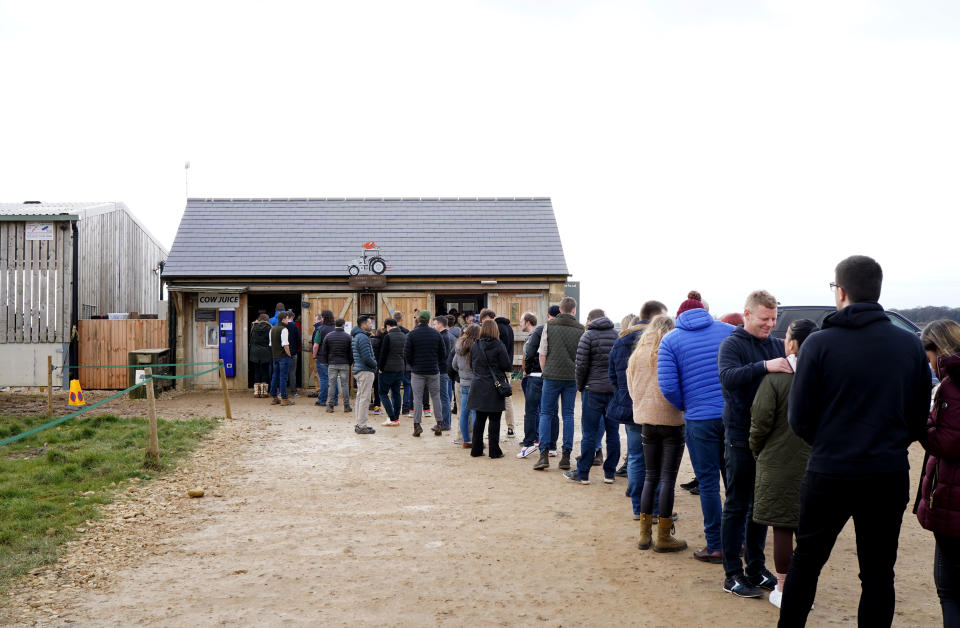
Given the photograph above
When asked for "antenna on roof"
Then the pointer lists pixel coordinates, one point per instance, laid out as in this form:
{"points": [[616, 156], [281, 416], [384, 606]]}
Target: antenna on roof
{"points": [[186, 178]]}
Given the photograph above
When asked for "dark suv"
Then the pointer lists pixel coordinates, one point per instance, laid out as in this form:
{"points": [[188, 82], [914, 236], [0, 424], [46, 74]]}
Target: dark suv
{"points": [[786, 314]]}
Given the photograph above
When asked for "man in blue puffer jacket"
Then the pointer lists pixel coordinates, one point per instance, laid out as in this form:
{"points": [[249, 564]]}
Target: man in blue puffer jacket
{"points": [[689, 379], [364, 369]]}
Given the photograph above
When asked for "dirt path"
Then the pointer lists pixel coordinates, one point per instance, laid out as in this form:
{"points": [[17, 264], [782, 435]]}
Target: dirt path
{"points": [[306, 523]]}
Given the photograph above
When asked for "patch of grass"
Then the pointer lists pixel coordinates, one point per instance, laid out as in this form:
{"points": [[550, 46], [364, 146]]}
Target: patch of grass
{"points": [[43, 478]]}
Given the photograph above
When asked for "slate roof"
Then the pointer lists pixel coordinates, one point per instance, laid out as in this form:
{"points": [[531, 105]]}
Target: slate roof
{"points": [[317, 237]]}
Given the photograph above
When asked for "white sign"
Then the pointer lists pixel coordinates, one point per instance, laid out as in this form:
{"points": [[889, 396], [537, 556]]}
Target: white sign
{"points": [[39, 231], [219, 300]]}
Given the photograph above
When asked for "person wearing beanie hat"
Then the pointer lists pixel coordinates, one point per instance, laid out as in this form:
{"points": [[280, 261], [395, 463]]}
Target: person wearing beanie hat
{"points": [[694, 301], [733, 318], [424, 315], [690, 380], [553, 311]]}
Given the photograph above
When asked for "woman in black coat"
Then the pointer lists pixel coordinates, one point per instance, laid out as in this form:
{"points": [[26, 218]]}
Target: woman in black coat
{"points": [[489, 362], [260, 355]]}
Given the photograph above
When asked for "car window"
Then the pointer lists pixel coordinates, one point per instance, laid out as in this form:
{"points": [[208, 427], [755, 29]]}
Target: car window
{"points": [[901, 323], [785, 317]]}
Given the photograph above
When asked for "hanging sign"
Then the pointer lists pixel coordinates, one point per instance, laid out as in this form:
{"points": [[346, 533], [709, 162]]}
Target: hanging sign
{"points": [[219, 300], [39, 231]]}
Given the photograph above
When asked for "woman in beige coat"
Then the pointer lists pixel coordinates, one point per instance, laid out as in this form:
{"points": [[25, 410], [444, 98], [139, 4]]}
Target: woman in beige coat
{"points": [[663, 439]]}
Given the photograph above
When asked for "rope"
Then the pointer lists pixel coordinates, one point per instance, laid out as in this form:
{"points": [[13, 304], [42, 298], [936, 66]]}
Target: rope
{"points": [[55, 422], [130, 366]]}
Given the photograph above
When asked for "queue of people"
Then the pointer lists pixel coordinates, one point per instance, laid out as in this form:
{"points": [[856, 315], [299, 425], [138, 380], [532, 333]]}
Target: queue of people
{"points": [[803, 433]]}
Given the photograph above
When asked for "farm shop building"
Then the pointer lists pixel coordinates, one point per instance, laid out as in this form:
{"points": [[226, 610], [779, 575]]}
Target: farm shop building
{"points": [[233, 258]]}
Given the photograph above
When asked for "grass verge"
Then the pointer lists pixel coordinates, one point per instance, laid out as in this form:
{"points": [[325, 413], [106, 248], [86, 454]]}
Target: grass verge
{"points": [[53, 481]]}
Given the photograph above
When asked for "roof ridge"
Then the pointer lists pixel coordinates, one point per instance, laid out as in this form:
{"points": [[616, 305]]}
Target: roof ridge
{"points": [[405, 199]]}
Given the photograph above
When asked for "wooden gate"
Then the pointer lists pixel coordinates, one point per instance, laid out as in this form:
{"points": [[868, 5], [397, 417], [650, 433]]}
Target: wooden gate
{"points": [[108, 342], [407, 302]]}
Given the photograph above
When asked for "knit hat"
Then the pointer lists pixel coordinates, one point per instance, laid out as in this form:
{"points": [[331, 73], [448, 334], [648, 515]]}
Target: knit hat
{"points": [[554, 311], [733, 318], [424, 315], [694, 301]]}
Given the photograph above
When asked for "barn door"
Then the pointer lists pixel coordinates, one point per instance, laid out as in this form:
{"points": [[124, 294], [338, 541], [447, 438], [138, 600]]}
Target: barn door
{"points": [[407, 302], [342, 304]]}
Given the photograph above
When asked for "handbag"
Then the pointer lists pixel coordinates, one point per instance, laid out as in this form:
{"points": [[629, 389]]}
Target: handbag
{"points": [[500, 383]]}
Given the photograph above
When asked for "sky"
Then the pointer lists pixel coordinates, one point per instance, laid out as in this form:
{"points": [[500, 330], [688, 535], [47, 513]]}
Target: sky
{"points": [[722, 147]]}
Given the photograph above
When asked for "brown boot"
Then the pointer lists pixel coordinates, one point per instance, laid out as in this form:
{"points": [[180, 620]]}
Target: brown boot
{"points": [[275, 401], [646, 532], [286, 402], [665, 541]]}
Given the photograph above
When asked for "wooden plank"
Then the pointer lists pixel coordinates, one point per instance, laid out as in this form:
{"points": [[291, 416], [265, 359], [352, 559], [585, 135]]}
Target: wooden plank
{"points": [[18, 280], [109, 342], [4, 252], [66, 293], [57, 305]]}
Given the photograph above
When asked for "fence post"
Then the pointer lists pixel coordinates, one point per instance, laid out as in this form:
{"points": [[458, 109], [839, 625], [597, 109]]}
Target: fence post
{"points": [[49, 385], [153, 441], [223, 387]]}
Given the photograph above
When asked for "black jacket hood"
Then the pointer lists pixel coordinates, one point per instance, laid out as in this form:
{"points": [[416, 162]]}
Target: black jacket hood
{"points": [[856, 315]]}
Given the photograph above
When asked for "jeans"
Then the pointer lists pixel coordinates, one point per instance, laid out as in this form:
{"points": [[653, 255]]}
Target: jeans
{"points": [[555, 392], [293, 373], [737, 521], [637, 469], [493, 434], [278, 381], [594, 421], [419, 383], [662, 453], [390, 393], [532, 388], [338, 374], [364, 391], [876, 502], [323, 382], [407, 393], [946, 575], [444, 419], [466, 429], [705, 445]]}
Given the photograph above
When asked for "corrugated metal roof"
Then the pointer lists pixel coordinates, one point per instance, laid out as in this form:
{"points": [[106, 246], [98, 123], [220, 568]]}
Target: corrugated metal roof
{"points": [[317, 237]]}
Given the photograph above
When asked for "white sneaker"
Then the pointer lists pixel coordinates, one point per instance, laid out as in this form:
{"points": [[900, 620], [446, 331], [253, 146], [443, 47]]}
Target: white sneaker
{"points": [[775, 597], [526, 451], [427, 413], [389, 423], [552, 453]]}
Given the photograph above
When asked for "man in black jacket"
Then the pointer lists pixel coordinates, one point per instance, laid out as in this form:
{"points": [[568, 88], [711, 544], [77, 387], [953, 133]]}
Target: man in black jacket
{"points": [[861, 395], [423, 351], [744, 358], [506, 337], [596, 391], [338, 354], [532, 385], [440, 324], [391, 364], [295, 344]]}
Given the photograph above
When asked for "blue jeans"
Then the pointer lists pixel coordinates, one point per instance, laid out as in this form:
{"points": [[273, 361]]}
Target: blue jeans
{"points": [[466, 416], [532, 389], [637, 468], [594, 421], [323, 381], [445, 419], [705, 445], [278, 380], [407, 393], [390, 393], [738, 512], [555, 392]]}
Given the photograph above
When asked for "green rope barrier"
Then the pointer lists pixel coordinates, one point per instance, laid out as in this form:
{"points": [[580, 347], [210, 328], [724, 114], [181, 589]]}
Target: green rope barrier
{"points": [[216, 368], [129, 366], [56, 422]]}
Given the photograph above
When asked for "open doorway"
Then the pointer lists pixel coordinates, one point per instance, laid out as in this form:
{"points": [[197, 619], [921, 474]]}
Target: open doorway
{"points": [[267, 304], [462, 303]]}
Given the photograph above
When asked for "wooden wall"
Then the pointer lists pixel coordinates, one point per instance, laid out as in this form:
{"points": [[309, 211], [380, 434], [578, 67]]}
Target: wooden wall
{"points": [[108, 342], [117, 262], [36, 283]]}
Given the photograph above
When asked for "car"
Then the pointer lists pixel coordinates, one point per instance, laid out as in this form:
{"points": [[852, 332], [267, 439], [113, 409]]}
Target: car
{"points": [[786, 314]]}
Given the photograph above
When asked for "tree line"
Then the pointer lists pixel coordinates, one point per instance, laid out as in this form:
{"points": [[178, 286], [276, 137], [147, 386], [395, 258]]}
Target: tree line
{"points": [[927, 313]]}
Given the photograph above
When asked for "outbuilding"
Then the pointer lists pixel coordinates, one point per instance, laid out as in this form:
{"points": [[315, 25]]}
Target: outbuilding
{"points": [[235, 258]]}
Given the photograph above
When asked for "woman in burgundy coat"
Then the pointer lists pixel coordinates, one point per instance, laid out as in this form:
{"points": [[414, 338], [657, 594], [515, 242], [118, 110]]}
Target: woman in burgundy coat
{"points": [[938, 508]]}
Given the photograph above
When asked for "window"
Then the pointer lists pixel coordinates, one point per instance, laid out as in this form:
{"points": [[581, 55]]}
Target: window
{"points": [[211, 335]]}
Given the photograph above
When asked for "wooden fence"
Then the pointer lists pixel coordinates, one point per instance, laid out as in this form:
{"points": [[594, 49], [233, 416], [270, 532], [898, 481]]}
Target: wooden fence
{"points": [[36, 283], [108, 342]]}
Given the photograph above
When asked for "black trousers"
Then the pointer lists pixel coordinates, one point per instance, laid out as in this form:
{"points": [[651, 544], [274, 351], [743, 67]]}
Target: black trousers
{"points": [[946, 575], [493, 434], [876, 502], [662, 453], [261, 372]]}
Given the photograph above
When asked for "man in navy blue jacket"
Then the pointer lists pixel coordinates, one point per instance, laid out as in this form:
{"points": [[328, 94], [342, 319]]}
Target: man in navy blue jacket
{"points": [[861, 395], [745, 357]]}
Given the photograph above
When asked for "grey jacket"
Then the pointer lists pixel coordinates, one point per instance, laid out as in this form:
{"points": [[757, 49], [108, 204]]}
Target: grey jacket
{"points": [[461, 364]]}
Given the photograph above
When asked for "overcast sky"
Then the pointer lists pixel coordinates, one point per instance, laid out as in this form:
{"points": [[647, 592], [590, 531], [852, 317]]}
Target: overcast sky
{"points": [[684, 146]]}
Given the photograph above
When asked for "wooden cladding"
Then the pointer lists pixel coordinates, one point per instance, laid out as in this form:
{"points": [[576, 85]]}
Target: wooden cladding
{"points": [[36, 285], [108, 342]]}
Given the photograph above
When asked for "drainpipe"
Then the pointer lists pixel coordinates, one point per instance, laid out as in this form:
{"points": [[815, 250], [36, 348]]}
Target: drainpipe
{"points": [[75, 304]]}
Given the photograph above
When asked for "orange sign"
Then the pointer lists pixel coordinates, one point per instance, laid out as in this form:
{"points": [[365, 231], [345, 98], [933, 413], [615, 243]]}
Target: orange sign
{"points": [[370, 245]]}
